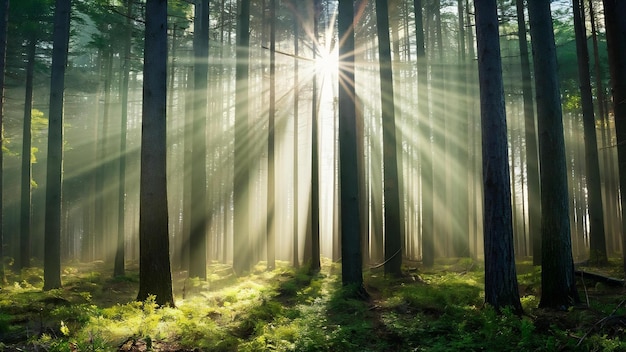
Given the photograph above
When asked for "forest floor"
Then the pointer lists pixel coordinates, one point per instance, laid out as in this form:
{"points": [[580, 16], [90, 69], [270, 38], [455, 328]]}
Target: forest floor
{"points": [[438, 309]]}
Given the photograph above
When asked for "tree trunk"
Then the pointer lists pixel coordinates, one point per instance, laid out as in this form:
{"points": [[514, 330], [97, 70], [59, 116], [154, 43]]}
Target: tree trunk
{"points": [[296, 102], [52, 239], [532, 164], [557, 275], [25, 203], [155, 276], [197, 239], [4, 20], [351, 269], [393, 238], [271, 171], [501, 288], [315, 196], [118, 269], [597, 242], [241, 241], [426, 147], [615, 17]]}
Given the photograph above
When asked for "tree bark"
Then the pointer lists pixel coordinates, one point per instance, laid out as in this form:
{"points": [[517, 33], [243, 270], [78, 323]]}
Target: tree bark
{"points": [[197, 238], [557, 274], [393, 235], [501, 288], [25, 203], [271, 165], [597, 241], [118, 268], [315, 203], [52, 234], [352, 274], [4, 20], [615, 17], [532, 163], [155, 276], [426, 147], [241, 240]]}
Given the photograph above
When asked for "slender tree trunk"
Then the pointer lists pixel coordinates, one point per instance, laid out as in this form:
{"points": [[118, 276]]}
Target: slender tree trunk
{"points": [[188, 133], [460, 181], [597, 240], [25, 203], [610, 198], [393, 238], [426, 148], [197, 249], [118, 269], [557, 274], [296, 102], [4, 20], [315, 197], [532, 164], [500, 276], [241, 241], [615, 17], [52, 236], [271, 172]]}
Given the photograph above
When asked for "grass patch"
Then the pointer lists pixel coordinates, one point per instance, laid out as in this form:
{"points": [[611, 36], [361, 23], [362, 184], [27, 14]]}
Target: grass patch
{"points": [[439, 309]]}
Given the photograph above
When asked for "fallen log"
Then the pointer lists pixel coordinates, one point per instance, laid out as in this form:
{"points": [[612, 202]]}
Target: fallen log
{"points": [[599, 278]]}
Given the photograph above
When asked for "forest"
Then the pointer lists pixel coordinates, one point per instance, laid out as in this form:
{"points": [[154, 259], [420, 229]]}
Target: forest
{"points": [[322, 175]]}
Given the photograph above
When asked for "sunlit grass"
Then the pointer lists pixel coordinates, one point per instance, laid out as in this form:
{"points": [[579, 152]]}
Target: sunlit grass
{"points": [[440, 309]]}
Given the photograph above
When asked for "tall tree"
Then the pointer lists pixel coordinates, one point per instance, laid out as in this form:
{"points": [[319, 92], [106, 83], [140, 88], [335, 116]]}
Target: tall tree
{"points": [[393, 235], [315, 195], [615, 19], [558, 285], [296, 105], [155, 276], [271, 164], [118, 268], [25, 203], [597, 242], [351, 270], [52, 234], [197, 251], [426, 147], [241, 246], [532, 162], [501, 288], [4, 20]]}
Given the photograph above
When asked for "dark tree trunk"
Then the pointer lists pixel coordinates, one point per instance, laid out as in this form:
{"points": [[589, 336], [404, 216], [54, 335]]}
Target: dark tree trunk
{"points": [[351, 269], [4, 20], [532, 163], [155, 276], [615, 17], [52, 239], [558, 285], [393, 235], [271, 179], [242, 261], [197, 238], [118, 269], [597, 241], [315, 197], [426, 149], [25, 203], [500, 276]]}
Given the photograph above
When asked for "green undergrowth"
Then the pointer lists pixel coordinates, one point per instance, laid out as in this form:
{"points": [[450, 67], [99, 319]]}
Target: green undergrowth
{"points": [[436, 309]]}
